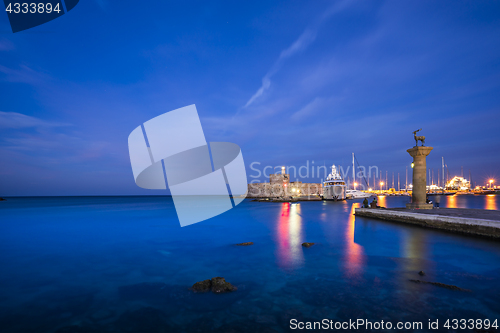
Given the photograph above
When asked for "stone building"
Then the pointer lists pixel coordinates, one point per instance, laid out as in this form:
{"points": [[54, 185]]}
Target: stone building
{"points": [[279, 185]]}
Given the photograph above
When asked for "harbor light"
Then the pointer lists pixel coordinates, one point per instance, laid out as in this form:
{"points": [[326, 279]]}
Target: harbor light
{"points": [[381, 184], [355, 184], [491, 182]]}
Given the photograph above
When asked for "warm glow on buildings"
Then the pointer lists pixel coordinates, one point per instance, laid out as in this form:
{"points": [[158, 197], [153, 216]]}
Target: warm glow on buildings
{"points": [[458, 183]]}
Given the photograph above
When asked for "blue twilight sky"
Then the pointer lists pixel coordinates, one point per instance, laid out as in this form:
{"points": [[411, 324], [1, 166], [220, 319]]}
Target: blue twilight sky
{"points": [[288, 81]]}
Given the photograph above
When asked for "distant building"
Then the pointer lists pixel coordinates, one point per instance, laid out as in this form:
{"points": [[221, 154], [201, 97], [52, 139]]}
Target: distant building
{"points": [[279, 185], [458, 184], [280, 178]]}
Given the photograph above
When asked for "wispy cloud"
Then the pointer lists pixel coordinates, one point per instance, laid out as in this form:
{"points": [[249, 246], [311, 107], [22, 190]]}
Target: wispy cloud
{"points": [[16, 120], [300, 44], [24, 74], [312, 108]]}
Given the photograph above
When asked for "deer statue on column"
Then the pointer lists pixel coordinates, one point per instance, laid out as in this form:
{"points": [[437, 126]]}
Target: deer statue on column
{"points": [[419, 138]]}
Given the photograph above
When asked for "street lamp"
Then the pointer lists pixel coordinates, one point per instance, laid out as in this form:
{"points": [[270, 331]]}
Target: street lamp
{"points": [[491, 182], [355, 184], [381, 184]]}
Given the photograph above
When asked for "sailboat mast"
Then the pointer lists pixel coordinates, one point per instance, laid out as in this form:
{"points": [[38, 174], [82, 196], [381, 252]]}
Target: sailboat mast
{"points": [[442, 173], [353, 173], [406, 180]]}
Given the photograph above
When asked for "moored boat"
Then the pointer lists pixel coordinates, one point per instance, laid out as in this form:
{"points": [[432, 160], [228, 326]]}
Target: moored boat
{"points": [[484, 191], [334, 187], [356, 194]]}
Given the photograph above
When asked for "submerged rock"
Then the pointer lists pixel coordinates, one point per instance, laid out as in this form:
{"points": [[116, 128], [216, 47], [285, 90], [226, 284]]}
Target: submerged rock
{"points": [[202, 286], [421, 273], [307, 244], [218, 285], [442, 285], [245, 244]]}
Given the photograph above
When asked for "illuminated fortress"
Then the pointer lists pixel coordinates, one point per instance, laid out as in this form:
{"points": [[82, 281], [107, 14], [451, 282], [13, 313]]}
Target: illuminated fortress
{"points": [[280, 186]]}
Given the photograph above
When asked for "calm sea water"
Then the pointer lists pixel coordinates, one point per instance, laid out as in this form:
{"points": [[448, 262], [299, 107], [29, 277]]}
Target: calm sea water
{"points": [[123, 264]]}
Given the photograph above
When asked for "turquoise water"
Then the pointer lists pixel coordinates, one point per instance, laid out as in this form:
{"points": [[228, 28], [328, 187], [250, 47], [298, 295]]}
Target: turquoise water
{"points": [[123, 264]]}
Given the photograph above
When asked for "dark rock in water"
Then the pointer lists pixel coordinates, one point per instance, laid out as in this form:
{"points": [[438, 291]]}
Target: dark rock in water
{"points": [[2, 199], [438, 284], [218, 285], [421, 273], [245, 244], [202, 286], [307, 244]]}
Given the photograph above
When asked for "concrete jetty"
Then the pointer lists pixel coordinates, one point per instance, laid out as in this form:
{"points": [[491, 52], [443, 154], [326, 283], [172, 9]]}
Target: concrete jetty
{"points": [[469, 221]]}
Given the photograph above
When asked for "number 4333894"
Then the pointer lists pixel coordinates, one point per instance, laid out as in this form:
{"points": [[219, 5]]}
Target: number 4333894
{"points": [[32, 8]]}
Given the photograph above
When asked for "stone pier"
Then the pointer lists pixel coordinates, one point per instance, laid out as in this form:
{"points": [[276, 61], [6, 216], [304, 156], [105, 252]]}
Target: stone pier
{"points": [[479, 222]]}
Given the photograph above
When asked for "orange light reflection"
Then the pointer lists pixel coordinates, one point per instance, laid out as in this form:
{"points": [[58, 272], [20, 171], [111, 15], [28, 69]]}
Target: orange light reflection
{"points": [[382, 202], [354, 260], [491, 202], [452, 202], [289, 235]]}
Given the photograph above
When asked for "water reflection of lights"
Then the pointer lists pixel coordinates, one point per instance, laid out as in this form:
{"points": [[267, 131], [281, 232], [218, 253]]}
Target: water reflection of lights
{"points": [[382, 200], [414, 257], [413, 245], [346, 205], [491, 202], [452, 201], [354, 260], [289, 236]]}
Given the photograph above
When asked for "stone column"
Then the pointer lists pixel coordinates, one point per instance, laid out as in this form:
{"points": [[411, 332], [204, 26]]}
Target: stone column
{"points": [[419, 154]]}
